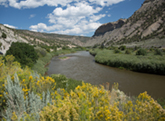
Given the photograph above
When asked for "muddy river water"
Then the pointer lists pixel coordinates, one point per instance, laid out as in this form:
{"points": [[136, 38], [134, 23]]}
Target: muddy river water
{"points": [[81, 66]]}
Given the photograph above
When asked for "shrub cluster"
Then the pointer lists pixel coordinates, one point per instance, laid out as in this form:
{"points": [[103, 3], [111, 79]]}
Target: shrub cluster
{"points": [[141, 52], [24, 53], [93, 51], [116, 51], [26, 95], [128, 51], [122, 47], [4, 35], [158, 52]]}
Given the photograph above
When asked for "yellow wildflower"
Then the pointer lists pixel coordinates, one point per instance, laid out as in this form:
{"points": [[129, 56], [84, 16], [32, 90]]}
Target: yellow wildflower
{"points": [[30, 78]]}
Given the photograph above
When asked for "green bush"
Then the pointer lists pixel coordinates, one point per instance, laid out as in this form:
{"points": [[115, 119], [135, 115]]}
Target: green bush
{"points": [[94, 51], [40, 52], [128, 51], [158, 52], [65, 83], [116, 51], [141, 52], [24, 53], [65, 47], [122, 47], [4, 35], [136, 48]]}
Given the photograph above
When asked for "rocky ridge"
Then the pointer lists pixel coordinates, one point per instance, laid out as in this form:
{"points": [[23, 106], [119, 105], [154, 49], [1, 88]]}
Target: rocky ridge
{"points": [[146, 23], [37, 38]]}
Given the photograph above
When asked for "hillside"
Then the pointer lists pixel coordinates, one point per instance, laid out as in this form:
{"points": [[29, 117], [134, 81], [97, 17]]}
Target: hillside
{"points": [[51, 37], [5, 42], [37, 38], [146, 27]]}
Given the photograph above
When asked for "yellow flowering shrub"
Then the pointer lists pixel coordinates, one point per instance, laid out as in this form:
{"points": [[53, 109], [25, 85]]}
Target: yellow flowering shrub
{"points": [[90, 103], [85, 103], [38, 85], [26, 76], [145, 109]]}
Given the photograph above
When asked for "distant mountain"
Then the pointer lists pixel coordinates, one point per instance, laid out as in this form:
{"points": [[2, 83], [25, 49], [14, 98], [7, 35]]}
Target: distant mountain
{"points": [[37, 38], [146, 27]]}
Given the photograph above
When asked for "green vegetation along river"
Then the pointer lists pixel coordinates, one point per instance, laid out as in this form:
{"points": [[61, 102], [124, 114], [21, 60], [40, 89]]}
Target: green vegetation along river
{"points": [[82, 66]]}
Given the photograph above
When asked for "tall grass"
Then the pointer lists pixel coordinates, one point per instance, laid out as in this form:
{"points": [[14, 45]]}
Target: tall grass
{"points": [[149, 63]]}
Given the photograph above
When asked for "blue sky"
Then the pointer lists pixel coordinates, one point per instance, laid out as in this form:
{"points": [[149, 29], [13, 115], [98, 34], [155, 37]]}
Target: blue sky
{"points": [[71, 17]]}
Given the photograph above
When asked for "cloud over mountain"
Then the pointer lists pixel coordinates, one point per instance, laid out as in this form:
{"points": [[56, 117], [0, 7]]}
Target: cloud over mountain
{"points": [[68, 16], [10, 26]]}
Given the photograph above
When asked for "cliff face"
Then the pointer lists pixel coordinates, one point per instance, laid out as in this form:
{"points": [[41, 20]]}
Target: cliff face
{"points": [[109, 27], [147, 23], [10, 37]]}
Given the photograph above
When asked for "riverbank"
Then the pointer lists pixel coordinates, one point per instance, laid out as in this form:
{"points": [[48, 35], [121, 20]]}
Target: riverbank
{"points": [[149, 63], [41, 65]]}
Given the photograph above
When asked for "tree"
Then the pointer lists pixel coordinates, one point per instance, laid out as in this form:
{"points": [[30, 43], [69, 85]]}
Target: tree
{"points": [[141, 52], [122, 47], [4, 35], [24, 53]]}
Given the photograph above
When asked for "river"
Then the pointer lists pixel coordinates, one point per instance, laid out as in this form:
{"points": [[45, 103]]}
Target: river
{"points": [[81, 66]]}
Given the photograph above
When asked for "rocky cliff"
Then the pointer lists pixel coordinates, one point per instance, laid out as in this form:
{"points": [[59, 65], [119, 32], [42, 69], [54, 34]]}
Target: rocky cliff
{"points": [[109, 27], [147, 23], [5, 42]]}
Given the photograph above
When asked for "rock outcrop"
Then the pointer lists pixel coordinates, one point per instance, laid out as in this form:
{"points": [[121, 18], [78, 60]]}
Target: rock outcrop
{"points": [[10, 37], [146, 1], [109, 27]]}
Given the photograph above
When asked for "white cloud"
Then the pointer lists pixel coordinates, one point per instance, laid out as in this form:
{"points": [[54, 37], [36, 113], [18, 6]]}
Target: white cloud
{"points": [[80, 17], [42, 27], [32, 16], [76, 19], [109, 15], [4, 3], [105, 2], [81, 9], [96, 17], [37, 3], [10, 26]]}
